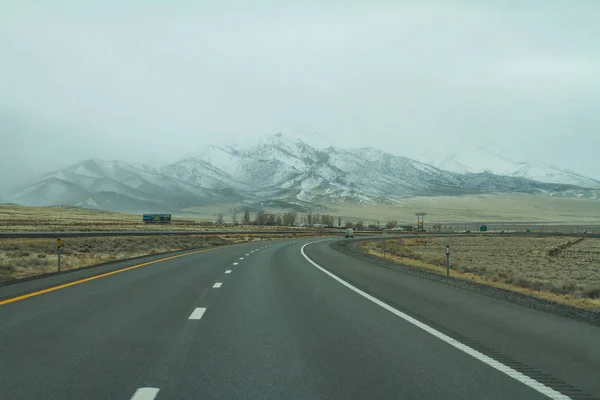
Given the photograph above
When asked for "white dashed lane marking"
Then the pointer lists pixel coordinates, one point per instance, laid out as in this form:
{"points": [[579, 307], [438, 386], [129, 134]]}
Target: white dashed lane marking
{"points": [[217, 285], [197, 313], [235, 263], [228, 271], [145, 394]]}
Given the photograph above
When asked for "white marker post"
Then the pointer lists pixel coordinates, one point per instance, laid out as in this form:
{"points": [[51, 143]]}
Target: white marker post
{"points": [[384, 242], [58, 247], [447, 261]]}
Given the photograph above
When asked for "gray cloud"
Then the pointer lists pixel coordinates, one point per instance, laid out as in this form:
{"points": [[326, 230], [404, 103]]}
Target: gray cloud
{"points": [[141, 82]]}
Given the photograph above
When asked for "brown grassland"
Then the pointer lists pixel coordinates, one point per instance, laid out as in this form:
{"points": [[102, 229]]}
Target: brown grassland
{"points": [[520, 264], [20, 258], [15, 218]]}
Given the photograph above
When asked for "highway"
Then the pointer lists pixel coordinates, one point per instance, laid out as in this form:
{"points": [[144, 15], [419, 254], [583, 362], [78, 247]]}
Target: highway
{"points": [[288, 319]]}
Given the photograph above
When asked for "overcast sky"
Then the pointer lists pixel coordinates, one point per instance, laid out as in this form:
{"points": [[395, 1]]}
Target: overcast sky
{"points": [[147, 80]]}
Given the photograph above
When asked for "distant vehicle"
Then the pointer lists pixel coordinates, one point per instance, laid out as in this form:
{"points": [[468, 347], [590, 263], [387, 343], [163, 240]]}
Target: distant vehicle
{"points": [[156, 218], [398, 229], [350, 233]]}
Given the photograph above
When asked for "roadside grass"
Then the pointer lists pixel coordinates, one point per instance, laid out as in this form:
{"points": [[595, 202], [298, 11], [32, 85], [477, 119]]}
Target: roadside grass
{"points": [[20, 258], [517, 264]]}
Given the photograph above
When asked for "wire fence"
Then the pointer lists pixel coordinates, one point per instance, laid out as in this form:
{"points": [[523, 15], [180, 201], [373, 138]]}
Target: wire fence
{"points": [[584, 255]]}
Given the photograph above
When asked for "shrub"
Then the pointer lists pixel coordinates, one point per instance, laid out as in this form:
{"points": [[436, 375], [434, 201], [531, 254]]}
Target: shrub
{"points": [[591, 292]]}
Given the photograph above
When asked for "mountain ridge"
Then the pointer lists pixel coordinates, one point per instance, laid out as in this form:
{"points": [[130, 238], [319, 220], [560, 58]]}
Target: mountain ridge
{"points": [[274, 170], [475, 158]]}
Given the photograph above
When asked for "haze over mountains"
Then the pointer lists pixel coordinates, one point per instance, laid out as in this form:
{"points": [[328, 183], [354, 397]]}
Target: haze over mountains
{"points": [[288, 172]]}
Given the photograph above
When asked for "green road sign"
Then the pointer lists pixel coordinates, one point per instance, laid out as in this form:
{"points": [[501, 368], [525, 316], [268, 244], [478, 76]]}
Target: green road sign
{"points": [[483, 228]]}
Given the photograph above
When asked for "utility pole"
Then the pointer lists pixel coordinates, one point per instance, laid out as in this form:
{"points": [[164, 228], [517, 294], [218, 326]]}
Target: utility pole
{"points": [[420, 221]]}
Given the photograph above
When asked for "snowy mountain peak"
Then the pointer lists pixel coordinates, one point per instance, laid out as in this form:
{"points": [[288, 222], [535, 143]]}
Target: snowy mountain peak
{"points": [[477, 159]]}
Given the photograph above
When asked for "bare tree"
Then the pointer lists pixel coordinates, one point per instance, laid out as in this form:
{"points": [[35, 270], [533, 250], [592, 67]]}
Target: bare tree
{"points": [[327, 219], [309, 218], [234, 219], [391, 224], [289, 218], [360, 225], [316, 219], [246, 218], [269, 219], [350, 225], [339, 221], [278, 220], [220, 219], [260, 218]]}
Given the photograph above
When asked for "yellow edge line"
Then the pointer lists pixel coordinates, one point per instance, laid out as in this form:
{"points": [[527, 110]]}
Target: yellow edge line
{"points": [[91, 278]]}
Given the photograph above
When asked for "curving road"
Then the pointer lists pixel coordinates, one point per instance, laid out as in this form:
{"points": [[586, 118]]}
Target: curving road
{"points": [[281, 320]]}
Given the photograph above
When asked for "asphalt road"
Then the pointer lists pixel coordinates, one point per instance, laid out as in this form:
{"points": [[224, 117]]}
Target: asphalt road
{"points": [[280, 327]]}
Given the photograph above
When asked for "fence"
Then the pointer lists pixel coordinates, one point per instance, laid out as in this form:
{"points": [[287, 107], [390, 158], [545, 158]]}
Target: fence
{"points": [[585, 255]]}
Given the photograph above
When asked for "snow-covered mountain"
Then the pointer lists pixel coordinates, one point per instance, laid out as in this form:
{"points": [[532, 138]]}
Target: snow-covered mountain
{"points": [[476, 159], [287, 168], [277, 170], [115, 185]]}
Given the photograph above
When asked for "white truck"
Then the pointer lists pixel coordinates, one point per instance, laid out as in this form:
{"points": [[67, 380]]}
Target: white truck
{"points": [[349, 233]]}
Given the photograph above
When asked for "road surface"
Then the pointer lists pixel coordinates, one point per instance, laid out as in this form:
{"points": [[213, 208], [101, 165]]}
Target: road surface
{"points": [[285, 320]]}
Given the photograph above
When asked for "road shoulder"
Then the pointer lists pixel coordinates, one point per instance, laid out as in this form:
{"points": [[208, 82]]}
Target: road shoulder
{"points": [[352, 249]]}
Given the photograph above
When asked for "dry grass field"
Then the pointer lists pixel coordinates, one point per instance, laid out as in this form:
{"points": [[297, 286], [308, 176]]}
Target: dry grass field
{"points": [[515, 263], [516, 208], [20, 258], [499, 212], [14, 218]]}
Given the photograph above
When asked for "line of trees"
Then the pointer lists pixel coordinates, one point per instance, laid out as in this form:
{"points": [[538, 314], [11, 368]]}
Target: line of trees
{"points": [[289, 218], [322, 219]]}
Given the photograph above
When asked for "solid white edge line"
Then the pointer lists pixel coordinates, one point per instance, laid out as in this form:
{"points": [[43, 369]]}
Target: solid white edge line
{"points": [[516, 375], [228, 271], [145, 393], [217, 285], [197, 313]]}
